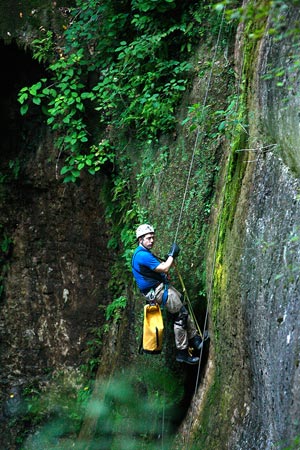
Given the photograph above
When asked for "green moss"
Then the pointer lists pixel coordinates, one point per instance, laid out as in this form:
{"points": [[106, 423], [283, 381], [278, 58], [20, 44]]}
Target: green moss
{"points": [[226, 238]]}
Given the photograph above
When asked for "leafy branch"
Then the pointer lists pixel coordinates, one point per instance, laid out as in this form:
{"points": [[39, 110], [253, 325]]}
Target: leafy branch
{"points": [[118, 65]]}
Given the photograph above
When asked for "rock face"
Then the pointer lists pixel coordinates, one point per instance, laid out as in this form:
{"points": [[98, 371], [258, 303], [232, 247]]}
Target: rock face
{"points": [[255, 267], [53, 287], [270, 262], [270, 292], [55, 265], [277, 97]]}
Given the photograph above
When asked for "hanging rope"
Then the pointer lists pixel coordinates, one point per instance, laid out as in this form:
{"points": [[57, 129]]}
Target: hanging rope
{"points": [[163, 418], [199, 129], [198, 142], [189, 176], [210, 284], [189, 304]]}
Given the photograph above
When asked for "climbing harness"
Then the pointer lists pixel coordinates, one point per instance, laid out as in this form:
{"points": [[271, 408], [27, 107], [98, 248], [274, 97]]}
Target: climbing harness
{"points": [[165, 295]]}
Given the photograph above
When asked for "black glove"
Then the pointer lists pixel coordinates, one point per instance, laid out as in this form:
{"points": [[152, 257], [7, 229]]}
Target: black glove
{"points": [[174, 250]]}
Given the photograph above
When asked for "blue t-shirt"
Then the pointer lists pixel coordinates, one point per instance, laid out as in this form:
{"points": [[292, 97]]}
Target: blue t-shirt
{"points": [[143, 265]]}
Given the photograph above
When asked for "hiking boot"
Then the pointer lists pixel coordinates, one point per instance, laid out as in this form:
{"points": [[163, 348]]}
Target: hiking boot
{"points": [[183, 356], [196, 342]]}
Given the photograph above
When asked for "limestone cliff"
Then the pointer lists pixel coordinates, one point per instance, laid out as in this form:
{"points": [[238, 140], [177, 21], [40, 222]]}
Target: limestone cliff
{"points": [[253, 395]]}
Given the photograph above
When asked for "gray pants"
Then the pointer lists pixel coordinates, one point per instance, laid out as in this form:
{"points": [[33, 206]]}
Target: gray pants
{"points": [[184, 327]]}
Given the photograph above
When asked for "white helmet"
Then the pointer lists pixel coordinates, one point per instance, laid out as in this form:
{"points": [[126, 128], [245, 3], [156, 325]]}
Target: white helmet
{"points": [[144, 229]]}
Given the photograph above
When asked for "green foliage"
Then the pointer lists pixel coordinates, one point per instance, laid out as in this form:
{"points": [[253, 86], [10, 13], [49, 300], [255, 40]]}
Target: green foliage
{"points": [[93, 351], [5, 244], [251, 11], [226, 122], [295, 444], [232, 121], [57, 409], [219, 119], [119, 63], [257, 13], [130, 411], [99, 155], [114, 309], [150, 5], [15, 166], [43, 48], [196, 117]]}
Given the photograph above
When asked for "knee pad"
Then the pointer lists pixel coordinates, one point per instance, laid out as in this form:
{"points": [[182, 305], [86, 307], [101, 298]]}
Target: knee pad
{"points": [[180, 318]]}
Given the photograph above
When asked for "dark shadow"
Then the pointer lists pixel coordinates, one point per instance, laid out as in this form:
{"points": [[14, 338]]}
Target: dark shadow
{"points": [[18, 70]]}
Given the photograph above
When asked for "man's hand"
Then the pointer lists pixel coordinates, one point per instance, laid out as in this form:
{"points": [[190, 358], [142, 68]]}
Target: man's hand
{"points": [[174, 250], [164, 266]]}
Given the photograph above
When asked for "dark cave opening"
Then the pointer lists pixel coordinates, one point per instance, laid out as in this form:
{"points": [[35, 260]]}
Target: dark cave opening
{"points": [[19, 69]]}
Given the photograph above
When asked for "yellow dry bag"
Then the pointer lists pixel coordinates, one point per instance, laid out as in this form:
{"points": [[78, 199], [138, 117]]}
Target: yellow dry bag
{"points": [[153, 329]]}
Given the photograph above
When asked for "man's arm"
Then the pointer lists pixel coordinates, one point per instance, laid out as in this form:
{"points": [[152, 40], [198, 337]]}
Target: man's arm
{"points": [[164, 266]]}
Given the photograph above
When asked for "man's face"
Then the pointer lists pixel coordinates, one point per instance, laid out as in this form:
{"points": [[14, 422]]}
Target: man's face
{"points": [[147, 241]]}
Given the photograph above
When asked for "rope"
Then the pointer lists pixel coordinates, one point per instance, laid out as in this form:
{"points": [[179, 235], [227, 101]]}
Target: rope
{"points": [[188, 301], [163, 419], [206, 317], [199, 129], [210, 284], [197, 140]]}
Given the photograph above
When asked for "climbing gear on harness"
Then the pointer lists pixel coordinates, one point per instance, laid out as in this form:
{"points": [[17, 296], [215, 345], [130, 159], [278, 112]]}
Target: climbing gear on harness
{"points": [[150, 296], [144, 229], [153, 329], [183, 356], [164, 298]]}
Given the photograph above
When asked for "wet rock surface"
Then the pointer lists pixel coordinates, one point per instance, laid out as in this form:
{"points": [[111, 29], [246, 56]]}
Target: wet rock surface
{"points": [[270, 293], [56, 271], [55, 265]]}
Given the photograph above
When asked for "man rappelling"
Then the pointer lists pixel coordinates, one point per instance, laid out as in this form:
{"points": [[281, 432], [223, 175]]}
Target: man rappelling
{"points": [[151, 277]]}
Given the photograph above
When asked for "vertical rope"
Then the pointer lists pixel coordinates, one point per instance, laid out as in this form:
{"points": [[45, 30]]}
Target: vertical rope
{"points": [[179, 221], [199, 129], [210, 284], [163, 420]]}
